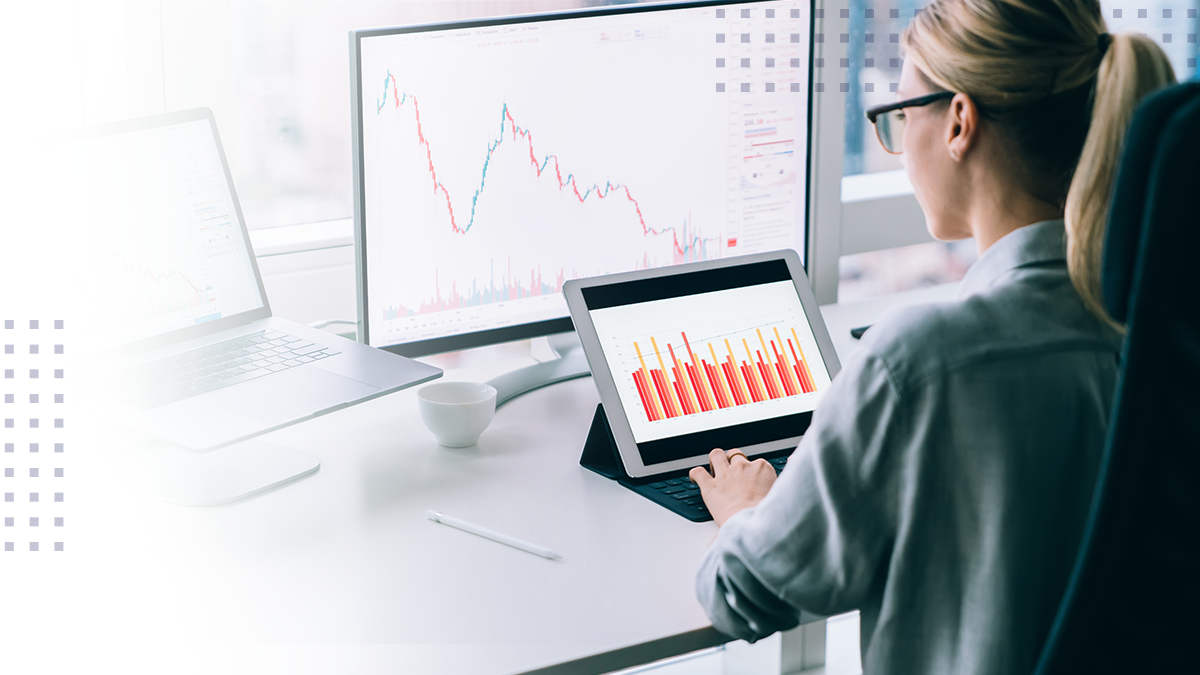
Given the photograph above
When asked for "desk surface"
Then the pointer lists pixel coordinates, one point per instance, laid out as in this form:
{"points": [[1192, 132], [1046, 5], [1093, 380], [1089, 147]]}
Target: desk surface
{"points": [[341, 571]]}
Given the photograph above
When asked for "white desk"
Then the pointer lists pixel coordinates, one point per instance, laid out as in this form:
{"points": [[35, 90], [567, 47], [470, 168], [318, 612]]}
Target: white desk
{"points": [[342, 572]]}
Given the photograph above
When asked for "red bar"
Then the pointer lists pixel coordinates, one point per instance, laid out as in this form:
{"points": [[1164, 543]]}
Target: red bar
{"points": [[716, 386], [746, 380], [709, 397], [705, 403], [673, 385], [766, 379], [804, 383], [783, 379], [718, 401], [796, 383], [656, 409], [642, 396], [687, 409], [728, 393], [681, 388], [693, 377], [728, 371], [751, 395], [788, 385], [637, 381], [666, 410], [739, 377], [762, 374], [734, 391], [668, 407], [808, 374], [800, 376], [754, 392], [713, 396], [812, 385], [681, 382], [762, 369]]}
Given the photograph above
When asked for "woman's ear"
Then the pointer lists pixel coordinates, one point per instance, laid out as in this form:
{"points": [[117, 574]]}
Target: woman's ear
{"points": [[963, 127]]}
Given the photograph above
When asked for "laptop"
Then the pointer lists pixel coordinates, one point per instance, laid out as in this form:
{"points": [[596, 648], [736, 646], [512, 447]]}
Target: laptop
{"points": [[182, 331]]}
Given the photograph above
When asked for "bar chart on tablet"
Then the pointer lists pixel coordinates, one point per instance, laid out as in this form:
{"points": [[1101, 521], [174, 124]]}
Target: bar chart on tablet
{"points": [[708, 360], [696, 378]]}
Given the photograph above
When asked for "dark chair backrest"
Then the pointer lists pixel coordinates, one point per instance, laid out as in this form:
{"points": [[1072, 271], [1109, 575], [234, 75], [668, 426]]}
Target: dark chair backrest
{"points": [[1132, 603]]}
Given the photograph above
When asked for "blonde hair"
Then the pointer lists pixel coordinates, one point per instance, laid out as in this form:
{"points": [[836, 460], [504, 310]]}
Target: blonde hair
{"points": [[1050, 75]]}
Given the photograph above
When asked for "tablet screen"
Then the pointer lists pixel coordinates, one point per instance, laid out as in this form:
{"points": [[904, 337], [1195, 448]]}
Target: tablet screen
{"points": [[715, 358]]}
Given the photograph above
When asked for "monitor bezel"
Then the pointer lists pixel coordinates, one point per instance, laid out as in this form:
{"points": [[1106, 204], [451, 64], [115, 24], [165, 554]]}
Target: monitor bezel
{"points": [[531, 329]]}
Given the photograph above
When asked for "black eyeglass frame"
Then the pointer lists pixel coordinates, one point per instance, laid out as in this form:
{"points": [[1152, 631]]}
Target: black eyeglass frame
{"points": [[916, 102]]}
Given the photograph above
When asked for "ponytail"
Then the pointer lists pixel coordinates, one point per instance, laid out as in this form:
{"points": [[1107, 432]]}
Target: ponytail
{"points": [[1048, 73], [1133, 67]]}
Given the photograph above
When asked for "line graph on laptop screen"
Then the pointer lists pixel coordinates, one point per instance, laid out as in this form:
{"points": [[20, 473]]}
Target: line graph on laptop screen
{"points": [[166, 248], [500, 161]]}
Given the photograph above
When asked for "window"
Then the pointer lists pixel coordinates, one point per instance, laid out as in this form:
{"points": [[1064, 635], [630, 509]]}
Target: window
{"points": [[276, 75], [872, 68], [872, 61]]}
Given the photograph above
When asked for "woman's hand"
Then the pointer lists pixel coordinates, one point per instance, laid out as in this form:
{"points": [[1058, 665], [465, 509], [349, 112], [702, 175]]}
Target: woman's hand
{"points": [[735, 484]]}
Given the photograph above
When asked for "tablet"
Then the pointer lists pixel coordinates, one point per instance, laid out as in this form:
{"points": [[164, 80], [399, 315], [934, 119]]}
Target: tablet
{"points": [[728, 353]]}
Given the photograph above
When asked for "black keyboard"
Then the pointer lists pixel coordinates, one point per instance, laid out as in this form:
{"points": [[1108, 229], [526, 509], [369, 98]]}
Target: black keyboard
{"points": [[682, 496], [218, 365]]}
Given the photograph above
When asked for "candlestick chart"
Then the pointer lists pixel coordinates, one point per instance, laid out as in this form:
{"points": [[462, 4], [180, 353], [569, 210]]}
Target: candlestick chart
{"points": [[502, 217]]}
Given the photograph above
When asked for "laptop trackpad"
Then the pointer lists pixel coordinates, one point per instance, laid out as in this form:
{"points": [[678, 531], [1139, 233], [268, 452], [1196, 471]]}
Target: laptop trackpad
{"points": [[289, 395]]}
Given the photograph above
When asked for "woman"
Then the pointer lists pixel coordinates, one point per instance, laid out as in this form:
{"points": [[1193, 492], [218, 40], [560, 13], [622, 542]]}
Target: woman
{"points": [[943, 485]]}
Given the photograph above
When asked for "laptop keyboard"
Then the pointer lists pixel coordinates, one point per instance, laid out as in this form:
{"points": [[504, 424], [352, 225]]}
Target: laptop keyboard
{"points": [[684, 490], [219, 365]]}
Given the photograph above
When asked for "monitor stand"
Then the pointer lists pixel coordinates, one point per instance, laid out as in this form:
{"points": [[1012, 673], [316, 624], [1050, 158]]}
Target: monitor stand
{"points": [[570, 364]]}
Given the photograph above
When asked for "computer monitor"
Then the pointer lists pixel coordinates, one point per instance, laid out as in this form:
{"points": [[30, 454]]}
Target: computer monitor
{"points": [[494, 159]]}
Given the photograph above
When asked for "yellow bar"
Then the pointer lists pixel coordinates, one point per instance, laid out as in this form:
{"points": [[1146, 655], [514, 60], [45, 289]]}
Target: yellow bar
{"points": [[787, 364], [685, 384], [770, 364], [804, 360], [703, 384], [720, 379], [754, 371], [738, 375], [666, 376], [650, 382]]}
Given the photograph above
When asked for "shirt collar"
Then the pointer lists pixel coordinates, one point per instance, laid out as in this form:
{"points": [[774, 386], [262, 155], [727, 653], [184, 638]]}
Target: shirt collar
{"points": [[1040, 242]]}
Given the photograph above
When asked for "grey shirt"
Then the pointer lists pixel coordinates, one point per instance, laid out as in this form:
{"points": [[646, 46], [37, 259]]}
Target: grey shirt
{"points": [[942, 487]]}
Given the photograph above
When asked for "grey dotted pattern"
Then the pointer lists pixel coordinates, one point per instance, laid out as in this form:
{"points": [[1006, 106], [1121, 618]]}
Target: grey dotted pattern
{"points": [[863, 31], [33, 348]]}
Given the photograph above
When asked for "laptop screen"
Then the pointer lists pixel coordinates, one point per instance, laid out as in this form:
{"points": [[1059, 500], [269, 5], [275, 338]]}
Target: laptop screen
{"points": [[168, 251]]}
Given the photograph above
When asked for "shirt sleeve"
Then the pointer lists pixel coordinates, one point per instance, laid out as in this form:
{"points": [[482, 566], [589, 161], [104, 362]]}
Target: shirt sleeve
{"points": [[817, 540]]}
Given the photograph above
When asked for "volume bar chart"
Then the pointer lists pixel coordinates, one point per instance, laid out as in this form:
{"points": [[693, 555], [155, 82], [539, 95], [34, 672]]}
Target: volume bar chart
{"points": [[692, 378]]}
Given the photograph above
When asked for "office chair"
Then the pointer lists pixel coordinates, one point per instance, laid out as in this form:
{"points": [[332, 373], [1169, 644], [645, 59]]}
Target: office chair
{"points": [[1132, 602]]}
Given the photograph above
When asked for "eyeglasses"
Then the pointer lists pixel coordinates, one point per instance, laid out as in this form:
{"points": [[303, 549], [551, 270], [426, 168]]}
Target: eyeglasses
{"points": [[889, 119]]}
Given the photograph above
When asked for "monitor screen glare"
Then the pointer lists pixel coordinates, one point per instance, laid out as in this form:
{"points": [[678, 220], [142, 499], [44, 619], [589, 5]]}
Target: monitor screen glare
{"points": [[497, 159]]}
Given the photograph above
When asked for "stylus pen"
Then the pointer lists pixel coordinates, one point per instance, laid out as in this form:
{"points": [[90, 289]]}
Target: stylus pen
{"points": [[491, 534]]}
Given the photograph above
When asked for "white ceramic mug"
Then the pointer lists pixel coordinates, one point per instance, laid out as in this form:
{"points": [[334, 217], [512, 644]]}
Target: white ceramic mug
{"points": [[457, 412]]}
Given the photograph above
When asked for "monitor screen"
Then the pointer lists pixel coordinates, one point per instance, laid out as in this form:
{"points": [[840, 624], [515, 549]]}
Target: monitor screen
{"points": [[497, 159]]}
